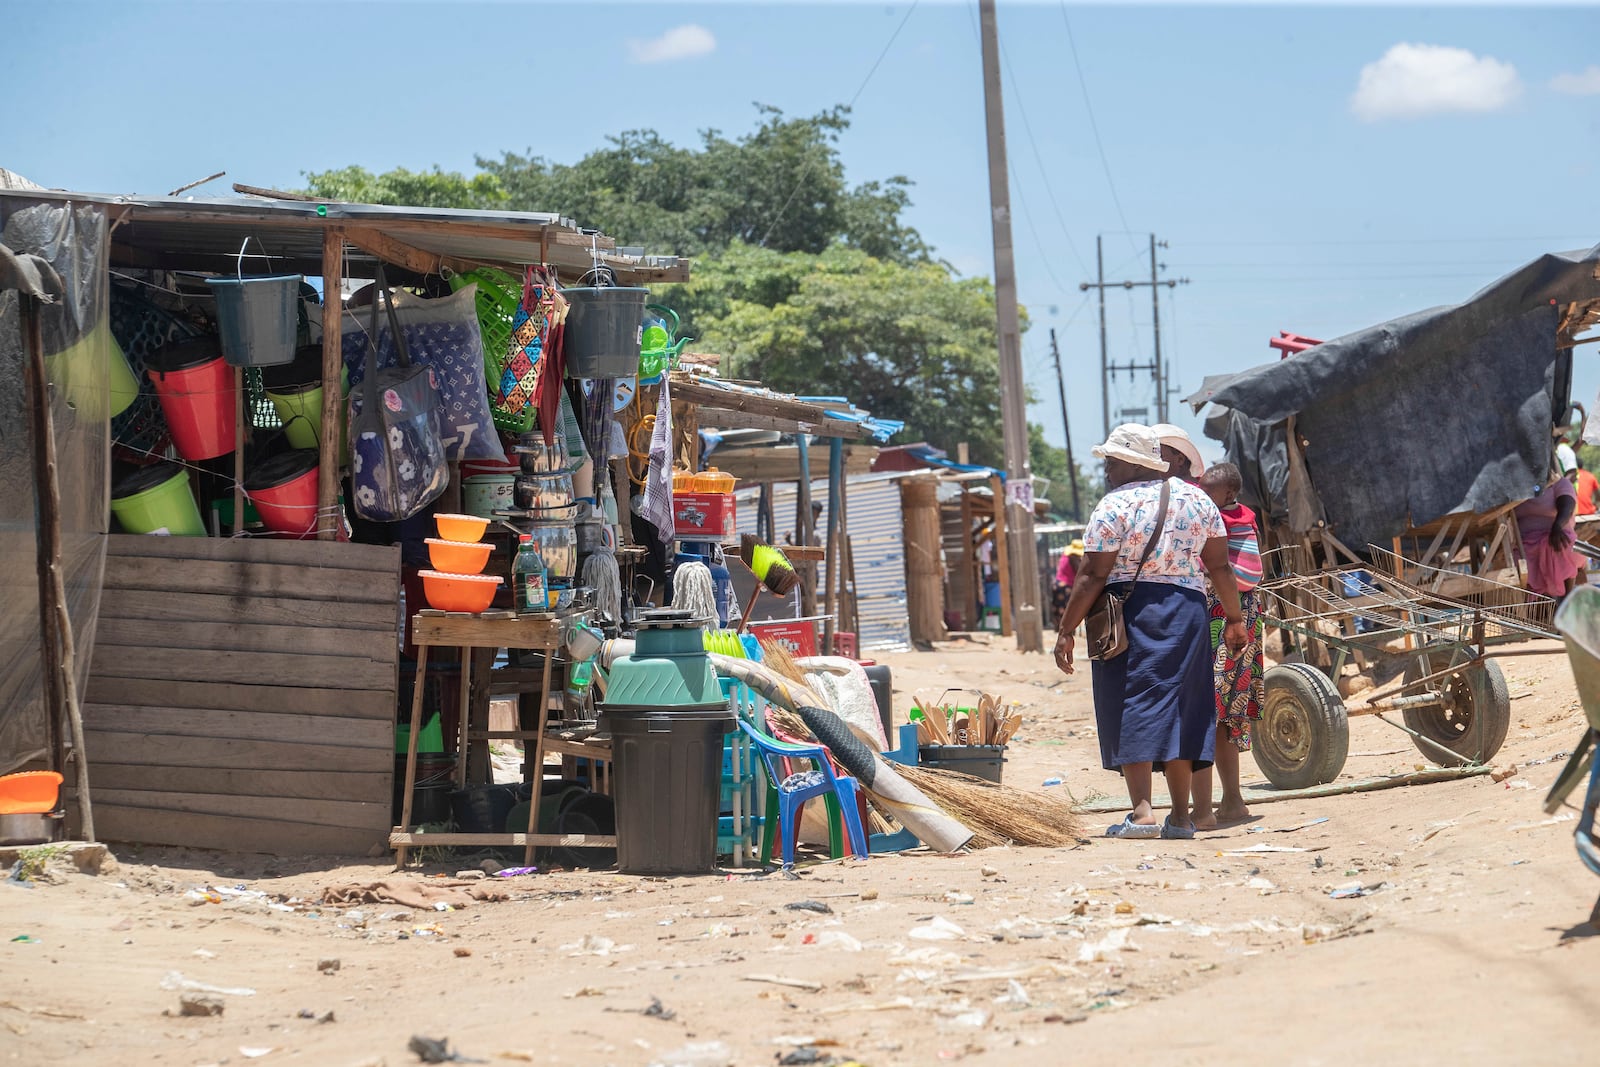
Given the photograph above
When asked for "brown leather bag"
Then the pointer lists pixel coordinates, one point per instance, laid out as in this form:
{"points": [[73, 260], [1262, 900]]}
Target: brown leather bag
{"points": [[1105, 629]]}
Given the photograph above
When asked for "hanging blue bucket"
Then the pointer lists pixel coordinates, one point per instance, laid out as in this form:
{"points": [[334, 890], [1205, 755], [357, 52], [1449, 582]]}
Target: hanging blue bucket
{"points": [[257, 318]]}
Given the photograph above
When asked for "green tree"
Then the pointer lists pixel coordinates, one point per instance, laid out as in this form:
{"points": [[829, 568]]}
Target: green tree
{"points": [[426, 188], [904, 340], [781, 186]]}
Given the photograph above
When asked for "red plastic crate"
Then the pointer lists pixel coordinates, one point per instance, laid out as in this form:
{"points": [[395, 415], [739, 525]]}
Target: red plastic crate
{"points": [[704, 516], [800, 638]]}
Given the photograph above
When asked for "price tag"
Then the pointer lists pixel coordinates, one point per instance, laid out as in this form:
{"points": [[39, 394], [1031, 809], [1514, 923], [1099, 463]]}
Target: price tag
{"points": [[1020, 493]]}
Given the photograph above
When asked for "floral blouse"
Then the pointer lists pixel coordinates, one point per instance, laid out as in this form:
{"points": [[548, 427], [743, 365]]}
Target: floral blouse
{"points": [[1126, 517]]}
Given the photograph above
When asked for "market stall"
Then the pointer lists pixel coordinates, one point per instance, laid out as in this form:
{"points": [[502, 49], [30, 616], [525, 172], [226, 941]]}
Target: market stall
{"points": [[207, 392]]}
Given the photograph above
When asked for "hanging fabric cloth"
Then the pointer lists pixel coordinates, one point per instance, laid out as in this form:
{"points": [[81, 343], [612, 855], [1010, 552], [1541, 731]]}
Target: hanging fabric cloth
{"points": [[658, 478]]}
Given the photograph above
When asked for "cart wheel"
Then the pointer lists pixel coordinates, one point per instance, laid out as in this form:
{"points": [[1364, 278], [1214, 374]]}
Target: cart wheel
{"points": [[1304, 734], [1475, 716]]}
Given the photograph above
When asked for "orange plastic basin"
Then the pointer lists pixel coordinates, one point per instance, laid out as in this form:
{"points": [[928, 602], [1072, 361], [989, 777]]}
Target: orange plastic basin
{"points": [[461, 527], [29, 792], [458, 557], [459, 592], [712, 480]]}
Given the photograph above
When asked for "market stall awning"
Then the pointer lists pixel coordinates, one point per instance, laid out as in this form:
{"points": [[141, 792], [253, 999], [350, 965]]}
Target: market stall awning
{"points": [[737, 405], [194, 234]]}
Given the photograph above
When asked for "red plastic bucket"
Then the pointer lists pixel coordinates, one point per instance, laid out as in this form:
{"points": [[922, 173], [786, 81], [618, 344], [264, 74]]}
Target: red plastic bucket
{"points": [[284, 491], [195, 387]]}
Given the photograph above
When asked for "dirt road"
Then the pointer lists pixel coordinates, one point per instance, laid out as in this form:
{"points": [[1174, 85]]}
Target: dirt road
{"points": [[1466, 938]]}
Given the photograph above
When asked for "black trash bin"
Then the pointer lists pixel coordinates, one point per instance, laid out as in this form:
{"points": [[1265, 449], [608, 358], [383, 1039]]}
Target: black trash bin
{"points": [[668, 767]]}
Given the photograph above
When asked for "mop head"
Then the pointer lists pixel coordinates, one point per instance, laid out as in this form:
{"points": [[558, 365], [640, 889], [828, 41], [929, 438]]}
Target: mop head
{"points": [[693, 591], [770, 566], [600, 574]]}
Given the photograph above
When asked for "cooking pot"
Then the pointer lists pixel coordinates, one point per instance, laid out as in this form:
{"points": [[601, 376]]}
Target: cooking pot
{"points": [[542, 492], [30, 827], [557, 545]]}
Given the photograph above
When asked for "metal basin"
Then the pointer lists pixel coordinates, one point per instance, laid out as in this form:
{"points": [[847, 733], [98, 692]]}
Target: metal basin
{"points": [[30, 828]]}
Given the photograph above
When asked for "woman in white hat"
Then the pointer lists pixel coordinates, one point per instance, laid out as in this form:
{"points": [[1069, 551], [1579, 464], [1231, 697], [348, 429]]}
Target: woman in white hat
{"points": [[1152, 541]]}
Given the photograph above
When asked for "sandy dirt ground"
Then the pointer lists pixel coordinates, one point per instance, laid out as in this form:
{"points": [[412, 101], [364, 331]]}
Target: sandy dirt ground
{"points": [[1468, 940]]}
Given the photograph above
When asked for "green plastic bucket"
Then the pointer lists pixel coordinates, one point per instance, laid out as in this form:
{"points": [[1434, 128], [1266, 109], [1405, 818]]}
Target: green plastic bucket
{"points": [[295, 390], [157, 500], [94, 375]]}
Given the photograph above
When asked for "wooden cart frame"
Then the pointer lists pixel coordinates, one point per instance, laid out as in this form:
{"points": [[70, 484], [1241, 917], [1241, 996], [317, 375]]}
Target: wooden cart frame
{"points": [[1438, 623]]}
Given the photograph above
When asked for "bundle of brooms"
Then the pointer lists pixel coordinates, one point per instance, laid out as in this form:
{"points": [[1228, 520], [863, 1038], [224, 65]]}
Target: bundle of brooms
{"points": [[996, 814]]}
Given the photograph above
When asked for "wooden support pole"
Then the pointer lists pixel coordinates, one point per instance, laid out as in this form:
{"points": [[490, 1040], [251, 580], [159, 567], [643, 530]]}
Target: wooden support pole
{"points": [[55, 712], [49, 496], [834, 579], [1002, 555], [332, 368], [240, 421], [421, 678], [919, 503], [971, 581], [802, 525]]}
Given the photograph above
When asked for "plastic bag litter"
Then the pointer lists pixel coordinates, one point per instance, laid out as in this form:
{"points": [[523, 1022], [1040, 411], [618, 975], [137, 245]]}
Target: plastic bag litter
{"points": [[175, 982], [939, 929], [1100, 951]]}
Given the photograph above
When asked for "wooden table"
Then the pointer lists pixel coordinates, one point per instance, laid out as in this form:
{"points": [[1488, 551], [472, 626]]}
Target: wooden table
{"points": [[476, 636]]}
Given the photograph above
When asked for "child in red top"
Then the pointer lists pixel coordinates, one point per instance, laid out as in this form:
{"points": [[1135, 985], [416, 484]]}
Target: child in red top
{"points": [[1239, 679]]}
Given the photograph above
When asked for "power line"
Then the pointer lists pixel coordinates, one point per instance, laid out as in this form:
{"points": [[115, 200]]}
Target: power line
{"points": [[1027, 128], [805, 171], [1384, 241], [1094, 126]]}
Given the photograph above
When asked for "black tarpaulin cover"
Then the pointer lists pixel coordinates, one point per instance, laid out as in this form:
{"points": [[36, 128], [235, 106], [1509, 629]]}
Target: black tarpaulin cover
{"points": [[1441, 411]]}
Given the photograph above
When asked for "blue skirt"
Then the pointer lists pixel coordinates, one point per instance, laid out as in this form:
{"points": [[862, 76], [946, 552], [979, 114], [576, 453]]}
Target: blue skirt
{"points": [[1157, 701]]}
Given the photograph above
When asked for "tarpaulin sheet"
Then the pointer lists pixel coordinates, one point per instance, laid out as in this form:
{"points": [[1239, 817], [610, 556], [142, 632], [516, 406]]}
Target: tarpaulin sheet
{"points": [[73, 239], [1441, 411]]}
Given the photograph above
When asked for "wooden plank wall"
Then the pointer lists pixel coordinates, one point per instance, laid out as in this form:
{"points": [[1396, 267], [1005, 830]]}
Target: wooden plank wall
{"points": [[242, 694]]}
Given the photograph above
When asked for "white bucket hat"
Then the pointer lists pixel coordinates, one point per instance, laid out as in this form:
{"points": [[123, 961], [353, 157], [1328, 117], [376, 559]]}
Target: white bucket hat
{"points": [[1175, 437], [1133, 443]]}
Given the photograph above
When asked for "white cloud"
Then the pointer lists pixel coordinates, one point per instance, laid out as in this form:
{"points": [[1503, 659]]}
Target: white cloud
{"points": [[1584, 83], [680, 42], [1412, 80]]}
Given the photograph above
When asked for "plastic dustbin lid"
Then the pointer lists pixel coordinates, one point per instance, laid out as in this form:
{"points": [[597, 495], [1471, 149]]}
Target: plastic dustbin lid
{"points": [[182, 355], [634, 719]]}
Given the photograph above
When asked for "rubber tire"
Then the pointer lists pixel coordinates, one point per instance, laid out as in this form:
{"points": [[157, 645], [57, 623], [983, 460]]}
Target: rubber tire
{"points": [[1487, 721], [1303, 737]]}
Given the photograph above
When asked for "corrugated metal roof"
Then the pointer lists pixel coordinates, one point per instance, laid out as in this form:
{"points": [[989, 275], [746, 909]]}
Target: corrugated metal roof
{"points": [[205, 234]]}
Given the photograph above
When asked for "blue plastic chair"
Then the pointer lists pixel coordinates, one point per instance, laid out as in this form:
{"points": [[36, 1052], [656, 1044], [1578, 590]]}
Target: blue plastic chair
{"points": [[791, 800]]}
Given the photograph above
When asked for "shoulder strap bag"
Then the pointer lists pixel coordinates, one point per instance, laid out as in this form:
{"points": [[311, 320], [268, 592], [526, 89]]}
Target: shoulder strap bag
{"points": [[1105, 629]]}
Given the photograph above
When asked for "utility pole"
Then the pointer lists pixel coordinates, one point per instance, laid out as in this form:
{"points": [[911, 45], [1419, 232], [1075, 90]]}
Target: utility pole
{"points": [[1066, 429], [1155, 326], [1157, 369], [1105, 381], [1022, 556]]}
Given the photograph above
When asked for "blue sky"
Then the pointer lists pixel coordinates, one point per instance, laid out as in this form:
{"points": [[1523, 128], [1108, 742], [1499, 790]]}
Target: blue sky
{"points": [[1314, 169]]}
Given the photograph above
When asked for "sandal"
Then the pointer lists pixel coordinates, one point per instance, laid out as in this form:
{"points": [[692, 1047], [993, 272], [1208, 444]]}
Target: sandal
{"points": [[1128, 828], [1176, 833]]}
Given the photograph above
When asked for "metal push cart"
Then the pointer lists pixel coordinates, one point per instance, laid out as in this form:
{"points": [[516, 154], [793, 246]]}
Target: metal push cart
{"points": [[1431, 627]]}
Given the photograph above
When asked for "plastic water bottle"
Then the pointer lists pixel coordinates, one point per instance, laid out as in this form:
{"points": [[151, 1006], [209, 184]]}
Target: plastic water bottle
{"points": [[528, 577]]}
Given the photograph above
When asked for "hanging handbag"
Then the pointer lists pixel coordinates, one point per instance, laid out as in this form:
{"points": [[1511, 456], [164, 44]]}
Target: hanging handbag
{"points": [[397, 455], [1105, 630]]}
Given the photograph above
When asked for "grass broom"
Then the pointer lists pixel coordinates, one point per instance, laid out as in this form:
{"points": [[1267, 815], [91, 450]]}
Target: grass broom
{"points": [[996, 814]]}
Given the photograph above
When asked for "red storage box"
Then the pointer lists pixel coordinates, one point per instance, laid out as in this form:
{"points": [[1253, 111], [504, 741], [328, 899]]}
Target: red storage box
{"points": [[798, 636], [704, 516]]}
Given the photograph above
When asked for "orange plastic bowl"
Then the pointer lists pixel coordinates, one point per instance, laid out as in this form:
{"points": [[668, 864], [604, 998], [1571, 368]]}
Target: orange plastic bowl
{"points": [[458, 557], [29, 792], [461, 527], [459, 592]]}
